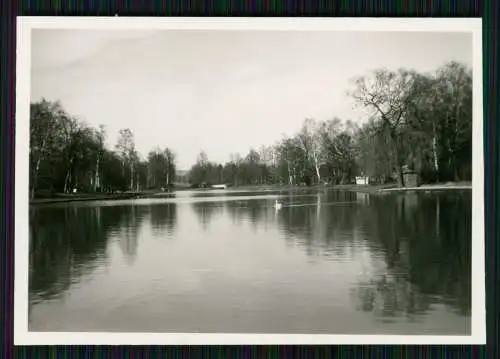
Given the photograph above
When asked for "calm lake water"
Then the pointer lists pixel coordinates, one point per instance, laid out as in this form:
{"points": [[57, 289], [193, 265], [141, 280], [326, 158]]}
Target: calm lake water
{"points": [[328, 262]]}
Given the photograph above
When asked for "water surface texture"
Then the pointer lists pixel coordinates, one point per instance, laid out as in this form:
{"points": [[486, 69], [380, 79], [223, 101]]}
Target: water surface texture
{"points": [[225, 262]]}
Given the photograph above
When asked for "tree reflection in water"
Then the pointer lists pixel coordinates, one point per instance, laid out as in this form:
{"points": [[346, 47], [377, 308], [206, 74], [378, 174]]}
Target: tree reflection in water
{"points": [[128, 234], [206, 211], [257, 213], [163, 219], [423, 241], [428, 256], [68, 242], [416, 247]]}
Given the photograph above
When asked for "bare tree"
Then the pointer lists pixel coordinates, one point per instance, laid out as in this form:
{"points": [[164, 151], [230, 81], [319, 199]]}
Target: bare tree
{"points": [[310, 139], [127, 152], [386, 93]]}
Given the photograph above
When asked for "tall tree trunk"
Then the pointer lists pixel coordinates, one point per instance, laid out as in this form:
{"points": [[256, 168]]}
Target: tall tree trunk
{"points": [[438, 214], [398, 158], [289, 173], [66, 182], [98, 173], [131, 176], [401, 176], [316, 165], [97, 177], [455, 135], [37, 167], [35, 176], [435, 153], [67, 179]]}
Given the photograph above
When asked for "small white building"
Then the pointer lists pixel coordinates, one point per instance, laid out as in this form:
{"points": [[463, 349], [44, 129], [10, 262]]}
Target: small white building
{"points": [[362, 180], [220, 186]]}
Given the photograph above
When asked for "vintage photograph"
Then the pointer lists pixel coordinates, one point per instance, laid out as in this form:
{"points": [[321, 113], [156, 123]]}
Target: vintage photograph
{"points": [[250, 182]]}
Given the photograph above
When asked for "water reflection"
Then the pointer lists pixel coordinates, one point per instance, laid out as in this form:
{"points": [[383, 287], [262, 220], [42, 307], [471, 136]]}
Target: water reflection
{"points": [[66, 243], [206, 211], [258, 213], [414, 251], [323, 226], [128, 230], [428, 257], [424, 256], [163, 219]]}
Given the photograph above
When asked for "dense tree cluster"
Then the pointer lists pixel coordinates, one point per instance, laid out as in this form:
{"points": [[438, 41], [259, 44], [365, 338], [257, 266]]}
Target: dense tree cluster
{"points": [[67, 154], [418, 122]]}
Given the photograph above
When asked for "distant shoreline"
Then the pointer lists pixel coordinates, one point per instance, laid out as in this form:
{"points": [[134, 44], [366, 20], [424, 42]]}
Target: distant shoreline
{"points": [[424, 187], [369, 189], [88, 197]]}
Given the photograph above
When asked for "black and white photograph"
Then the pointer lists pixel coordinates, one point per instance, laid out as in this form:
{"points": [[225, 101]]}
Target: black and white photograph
{"points": [[249, 181]]}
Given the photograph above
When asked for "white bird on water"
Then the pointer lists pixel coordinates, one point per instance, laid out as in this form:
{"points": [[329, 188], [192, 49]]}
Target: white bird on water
{"points": [[277, 205]]}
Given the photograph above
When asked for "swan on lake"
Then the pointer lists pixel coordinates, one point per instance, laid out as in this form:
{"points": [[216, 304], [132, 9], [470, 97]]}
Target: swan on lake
{"points": [[277, 205]]}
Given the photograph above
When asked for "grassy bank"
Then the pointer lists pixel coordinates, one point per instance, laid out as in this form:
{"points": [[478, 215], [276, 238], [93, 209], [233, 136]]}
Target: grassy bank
{"points": [[432, 187], [373, 189], [60, 197]]}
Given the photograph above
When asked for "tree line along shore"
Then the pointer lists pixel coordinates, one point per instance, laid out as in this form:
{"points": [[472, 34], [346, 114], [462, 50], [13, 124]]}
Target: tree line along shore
{"points": [[419, 123]]}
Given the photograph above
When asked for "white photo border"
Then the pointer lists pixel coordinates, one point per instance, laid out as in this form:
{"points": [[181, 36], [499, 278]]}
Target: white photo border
{"points": [[23, 84]]}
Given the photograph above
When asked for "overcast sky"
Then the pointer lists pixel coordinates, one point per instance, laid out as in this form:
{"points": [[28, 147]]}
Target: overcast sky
{"points": [[219, 91]]}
